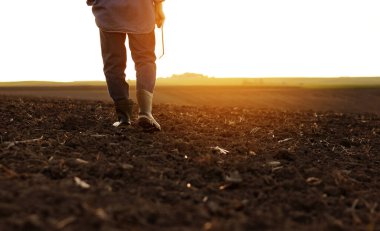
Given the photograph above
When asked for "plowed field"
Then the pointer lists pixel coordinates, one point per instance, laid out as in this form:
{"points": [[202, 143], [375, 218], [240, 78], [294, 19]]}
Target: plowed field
{"points": [[64, 167]]}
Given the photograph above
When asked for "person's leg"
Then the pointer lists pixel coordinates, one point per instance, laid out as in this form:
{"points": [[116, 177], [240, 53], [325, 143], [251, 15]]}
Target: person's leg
{"points": [[115, 60], [142, 49]]}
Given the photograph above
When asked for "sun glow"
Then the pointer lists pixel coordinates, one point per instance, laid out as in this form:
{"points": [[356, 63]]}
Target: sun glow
{"points": [[242, 38]]}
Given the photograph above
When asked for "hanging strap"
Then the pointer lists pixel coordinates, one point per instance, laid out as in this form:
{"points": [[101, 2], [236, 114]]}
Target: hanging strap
{"points": [[163, 42]]}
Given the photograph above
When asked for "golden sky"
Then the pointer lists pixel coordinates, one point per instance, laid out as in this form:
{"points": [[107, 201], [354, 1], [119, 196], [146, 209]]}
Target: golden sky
{"points": [[58, 41]]}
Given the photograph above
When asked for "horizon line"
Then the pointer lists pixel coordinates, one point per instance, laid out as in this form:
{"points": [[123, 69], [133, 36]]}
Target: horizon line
{"points": [[203, 77]]}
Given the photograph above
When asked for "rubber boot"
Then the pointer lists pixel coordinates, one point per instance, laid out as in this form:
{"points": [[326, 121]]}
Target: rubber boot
{"points": [[145, 119], [123, 112]]}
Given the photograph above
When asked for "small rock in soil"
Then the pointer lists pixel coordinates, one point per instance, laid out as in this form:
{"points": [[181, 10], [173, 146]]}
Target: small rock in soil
{"points": [[81, 183], [274, 163], [313, 181]]}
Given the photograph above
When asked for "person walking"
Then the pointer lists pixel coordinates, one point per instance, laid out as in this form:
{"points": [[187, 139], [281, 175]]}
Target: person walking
{"points": [[136, 19]]}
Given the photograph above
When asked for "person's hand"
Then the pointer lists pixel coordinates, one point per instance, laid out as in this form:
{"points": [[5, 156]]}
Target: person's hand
{"points": [[90, 2], [160, 16]]}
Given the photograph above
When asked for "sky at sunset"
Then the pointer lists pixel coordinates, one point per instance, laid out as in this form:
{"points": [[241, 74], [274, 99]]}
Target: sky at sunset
{"points": [[59, 41]]}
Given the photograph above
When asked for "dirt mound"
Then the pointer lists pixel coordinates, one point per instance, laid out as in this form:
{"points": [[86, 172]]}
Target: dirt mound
{"points": [[63, 167]]}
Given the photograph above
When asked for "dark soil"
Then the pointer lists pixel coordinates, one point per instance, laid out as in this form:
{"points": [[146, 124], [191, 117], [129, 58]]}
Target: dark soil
{"points": [[64, 167]]}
